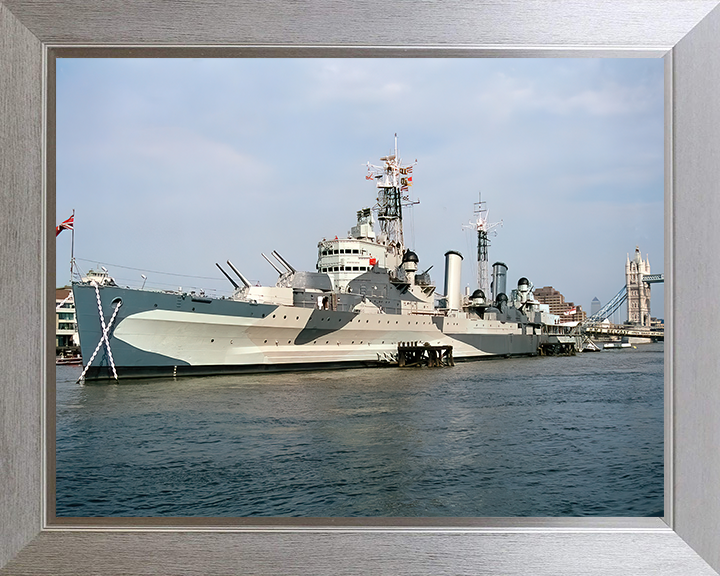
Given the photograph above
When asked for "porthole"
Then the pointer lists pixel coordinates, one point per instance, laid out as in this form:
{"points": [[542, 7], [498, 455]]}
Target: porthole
{"points": [[265, 342], [273, 315], [212, 339]]}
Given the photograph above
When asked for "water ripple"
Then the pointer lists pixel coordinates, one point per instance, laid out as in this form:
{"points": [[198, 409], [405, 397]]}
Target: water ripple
{"points": [[578, 436]]}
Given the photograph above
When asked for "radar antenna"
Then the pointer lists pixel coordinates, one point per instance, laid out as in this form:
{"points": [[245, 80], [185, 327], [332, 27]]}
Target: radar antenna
{"points": [[483, 228]]}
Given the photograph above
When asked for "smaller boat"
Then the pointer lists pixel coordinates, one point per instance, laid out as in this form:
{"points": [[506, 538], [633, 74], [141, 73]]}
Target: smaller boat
{"points": [[616, 345]]}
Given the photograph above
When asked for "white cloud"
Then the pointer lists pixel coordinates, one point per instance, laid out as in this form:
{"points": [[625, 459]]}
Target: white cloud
{"points": [[508, 95], [359, 81]]}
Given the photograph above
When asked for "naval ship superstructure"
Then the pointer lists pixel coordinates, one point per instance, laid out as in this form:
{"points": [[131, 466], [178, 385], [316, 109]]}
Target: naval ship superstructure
{"points": [[366, 297]]}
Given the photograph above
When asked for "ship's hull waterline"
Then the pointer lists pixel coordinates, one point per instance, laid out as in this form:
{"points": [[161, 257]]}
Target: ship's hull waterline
{"points": [[157, 334]]}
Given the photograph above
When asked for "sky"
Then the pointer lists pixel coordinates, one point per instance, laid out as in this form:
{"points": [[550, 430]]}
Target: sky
{"points": [[172, 165]]}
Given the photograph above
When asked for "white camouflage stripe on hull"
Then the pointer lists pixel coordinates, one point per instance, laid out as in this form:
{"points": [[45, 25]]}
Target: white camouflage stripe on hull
{"points": [[204, 339]]}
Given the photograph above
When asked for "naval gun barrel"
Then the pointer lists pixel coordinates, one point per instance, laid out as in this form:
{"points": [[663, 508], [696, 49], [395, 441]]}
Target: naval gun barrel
{"points": [[242, 278], [271, 264], [227, 276], [283, 261]]}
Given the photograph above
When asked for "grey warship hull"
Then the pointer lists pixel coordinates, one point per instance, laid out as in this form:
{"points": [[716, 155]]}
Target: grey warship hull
{"points": [[157, 334]]}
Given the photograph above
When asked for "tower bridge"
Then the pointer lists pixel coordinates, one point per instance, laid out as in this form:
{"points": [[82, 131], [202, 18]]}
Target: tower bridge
{"points": [[636, 293]]}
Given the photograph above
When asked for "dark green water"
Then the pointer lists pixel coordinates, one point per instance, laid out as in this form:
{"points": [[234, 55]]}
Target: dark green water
{"points": [[571, 436]]}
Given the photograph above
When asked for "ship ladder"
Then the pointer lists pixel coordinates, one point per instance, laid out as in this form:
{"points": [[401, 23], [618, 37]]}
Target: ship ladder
{"points": [[104, 338]]}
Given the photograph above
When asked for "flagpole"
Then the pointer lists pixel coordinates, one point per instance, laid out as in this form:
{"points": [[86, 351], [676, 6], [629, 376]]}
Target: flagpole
{"points": [[72, 248]]}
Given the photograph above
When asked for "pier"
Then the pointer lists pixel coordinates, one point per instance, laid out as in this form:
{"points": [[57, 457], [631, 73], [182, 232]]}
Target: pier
{"points": [[560, 345], [416, 354]]}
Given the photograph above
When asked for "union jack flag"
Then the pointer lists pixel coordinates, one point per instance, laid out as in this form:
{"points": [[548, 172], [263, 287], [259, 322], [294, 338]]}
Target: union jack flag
{"points": [[66, 225]]}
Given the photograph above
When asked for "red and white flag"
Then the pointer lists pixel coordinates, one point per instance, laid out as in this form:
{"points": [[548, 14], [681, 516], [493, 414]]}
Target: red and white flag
{"points": [[571, 311], [66, 225]]}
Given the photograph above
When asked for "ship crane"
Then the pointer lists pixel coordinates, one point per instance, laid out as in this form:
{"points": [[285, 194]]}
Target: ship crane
{"points": [[483, 228]]}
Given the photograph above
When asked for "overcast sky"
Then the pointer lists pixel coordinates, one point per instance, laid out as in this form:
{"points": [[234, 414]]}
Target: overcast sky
{"points": [[172, 165]]}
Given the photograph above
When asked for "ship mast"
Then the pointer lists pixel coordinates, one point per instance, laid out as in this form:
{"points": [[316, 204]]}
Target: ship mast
{"points": [[483, 228], [392, 180]]}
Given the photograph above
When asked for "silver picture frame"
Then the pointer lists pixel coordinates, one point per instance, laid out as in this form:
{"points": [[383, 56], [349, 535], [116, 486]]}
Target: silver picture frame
{"points": [[686, 33]]}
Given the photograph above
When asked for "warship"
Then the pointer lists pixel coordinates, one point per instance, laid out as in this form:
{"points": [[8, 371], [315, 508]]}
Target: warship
{"points": [[365, 301]]}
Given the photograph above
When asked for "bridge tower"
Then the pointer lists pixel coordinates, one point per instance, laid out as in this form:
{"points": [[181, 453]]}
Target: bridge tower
{"points": [[638, 291]]}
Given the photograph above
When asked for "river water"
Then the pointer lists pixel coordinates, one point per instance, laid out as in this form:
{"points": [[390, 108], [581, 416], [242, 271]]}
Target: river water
{"points": [[544, 436]]}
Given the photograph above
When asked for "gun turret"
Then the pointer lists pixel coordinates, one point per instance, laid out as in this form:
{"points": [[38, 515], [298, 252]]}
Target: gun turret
{"points": [[242, 278], [226, 276]]}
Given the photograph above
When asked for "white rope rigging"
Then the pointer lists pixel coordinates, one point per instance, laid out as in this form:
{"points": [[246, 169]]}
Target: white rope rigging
{"points": [[59, 306], [104, 338]]}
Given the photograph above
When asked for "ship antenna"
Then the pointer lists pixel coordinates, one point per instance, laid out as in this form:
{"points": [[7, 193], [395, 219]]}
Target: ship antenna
{"points": [[392, 180], [483, 228]]}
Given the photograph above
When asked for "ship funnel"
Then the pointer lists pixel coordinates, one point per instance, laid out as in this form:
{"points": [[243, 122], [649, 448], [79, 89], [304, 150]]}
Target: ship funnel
{"points": [[242, 278], [271, 264], [499, 281], [453, 271], [283, 261], [225, 274]]}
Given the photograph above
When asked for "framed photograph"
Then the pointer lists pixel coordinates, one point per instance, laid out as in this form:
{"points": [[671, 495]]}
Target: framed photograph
{"points": [[175, 165], [684, 541]]}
